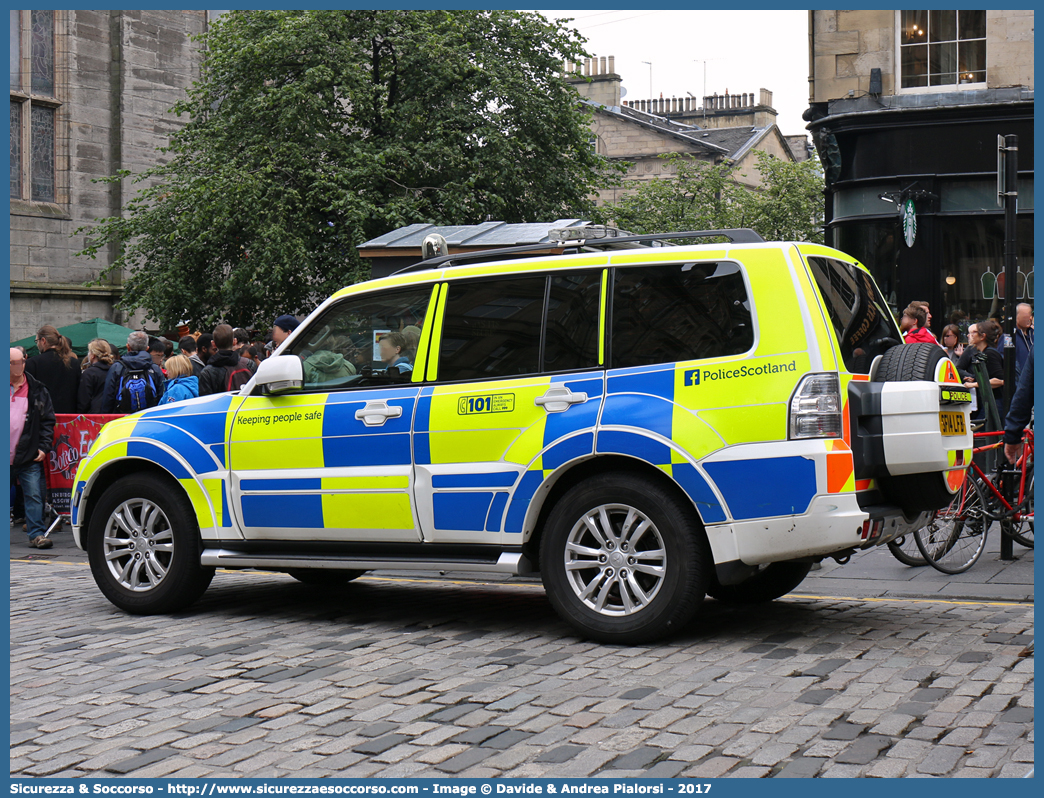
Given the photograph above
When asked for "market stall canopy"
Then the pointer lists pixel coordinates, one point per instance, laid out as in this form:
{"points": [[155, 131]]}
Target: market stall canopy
{"points": [[81, 334]]}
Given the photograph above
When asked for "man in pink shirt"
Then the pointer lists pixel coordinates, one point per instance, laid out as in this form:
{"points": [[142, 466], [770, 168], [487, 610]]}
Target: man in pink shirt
{"points": [[32, 433]]}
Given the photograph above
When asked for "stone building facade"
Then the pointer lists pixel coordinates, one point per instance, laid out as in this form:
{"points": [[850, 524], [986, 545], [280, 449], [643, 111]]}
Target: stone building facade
{"points": [[90, 96], [908, 105], [727, 127]]}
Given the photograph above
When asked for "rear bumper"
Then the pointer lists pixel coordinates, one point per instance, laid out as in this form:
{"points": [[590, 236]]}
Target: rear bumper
{"points": [[834, 525]]}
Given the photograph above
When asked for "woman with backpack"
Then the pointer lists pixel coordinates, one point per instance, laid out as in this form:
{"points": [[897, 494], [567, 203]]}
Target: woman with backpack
{"points": [[92, 382], [181, 382], [57, 367]]}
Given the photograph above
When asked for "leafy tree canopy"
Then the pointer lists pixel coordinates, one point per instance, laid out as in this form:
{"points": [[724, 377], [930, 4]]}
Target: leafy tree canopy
{"points": [[310, 132], [788, 206]]}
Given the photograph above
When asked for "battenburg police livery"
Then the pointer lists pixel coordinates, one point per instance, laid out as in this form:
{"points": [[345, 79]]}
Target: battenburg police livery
{"points": [[643, 425]]}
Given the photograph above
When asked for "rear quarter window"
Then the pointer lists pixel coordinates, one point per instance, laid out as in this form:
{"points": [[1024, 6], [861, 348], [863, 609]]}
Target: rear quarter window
{"points": [[862, 321], [681, 311]]}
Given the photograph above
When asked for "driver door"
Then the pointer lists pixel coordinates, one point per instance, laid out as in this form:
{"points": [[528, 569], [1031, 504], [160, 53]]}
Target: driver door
{"points": [[334, 461]]}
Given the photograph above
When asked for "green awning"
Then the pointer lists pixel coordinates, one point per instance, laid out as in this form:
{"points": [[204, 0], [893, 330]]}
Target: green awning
{"points": [[81, 334]]}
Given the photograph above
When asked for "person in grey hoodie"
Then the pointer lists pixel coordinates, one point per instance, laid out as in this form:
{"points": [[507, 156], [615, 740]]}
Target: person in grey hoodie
{"points": [[137, 358]]}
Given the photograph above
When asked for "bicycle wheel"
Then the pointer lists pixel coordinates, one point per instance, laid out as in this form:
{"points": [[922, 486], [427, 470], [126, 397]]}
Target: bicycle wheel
{"points": [[1022, 531], [956, 536], [904, 548]]}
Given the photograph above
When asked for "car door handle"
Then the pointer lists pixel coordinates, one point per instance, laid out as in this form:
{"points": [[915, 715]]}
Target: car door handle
{"points": [[376, 413], [559, 398]]}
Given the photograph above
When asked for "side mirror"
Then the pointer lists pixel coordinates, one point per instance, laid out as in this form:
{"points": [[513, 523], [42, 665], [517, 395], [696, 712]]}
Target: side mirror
{"points": [[280, 374]]}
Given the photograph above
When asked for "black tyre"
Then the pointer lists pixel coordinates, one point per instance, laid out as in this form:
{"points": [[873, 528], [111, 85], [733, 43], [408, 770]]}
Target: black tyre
{"points": [[954, 539], [624, 559], [915, 493], [144, 547], [324, 577], [904, 548], [770, 582]]}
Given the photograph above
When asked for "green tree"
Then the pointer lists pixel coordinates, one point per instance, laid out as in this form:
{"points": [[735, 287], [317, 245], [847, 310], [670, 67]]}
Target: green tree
{"points": [[788, 206], [310, 132]]}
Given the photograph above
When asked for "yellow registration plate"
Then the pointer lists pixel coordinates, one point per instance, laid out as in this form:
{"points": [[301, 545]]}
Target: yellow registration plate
{"points": [[951, 423]]}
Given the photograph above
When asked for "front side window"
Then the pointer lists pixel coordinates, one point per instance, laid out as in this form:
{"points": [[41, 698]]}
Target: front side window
{"points": [[366, 340], [682, 311], [862, 322], [34, 105], [942, 48]]}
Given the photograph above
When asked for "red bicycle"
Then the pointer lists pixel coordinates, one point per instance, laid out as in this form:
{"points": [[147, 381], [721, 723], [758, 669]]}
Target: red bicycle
{"points": [[956, 536]]}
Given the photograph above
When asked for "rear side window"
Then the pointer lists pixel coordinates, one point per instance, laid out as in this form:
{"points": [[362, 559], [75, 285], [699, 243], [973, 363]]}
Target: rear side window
{"points": [[571, 340], [682, 311], [861, 318], [520, 325], [492, 328]]}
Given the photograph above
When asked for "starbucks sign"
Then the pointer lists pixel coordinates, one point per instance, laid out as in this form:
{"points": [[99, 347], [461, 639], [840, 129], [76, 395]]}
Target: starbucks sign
{"points": [[909, 222]]}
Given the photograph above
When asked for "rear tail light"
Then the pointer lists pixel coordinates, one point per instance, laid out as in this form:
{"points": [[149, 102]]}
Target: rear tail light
{"points": [[871, 529], [815, 409]]}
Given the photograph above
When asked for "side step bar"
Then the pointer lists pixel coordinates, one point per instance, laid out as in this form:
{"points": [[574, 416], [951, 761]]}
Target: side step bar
{"points": [[513, 563]]}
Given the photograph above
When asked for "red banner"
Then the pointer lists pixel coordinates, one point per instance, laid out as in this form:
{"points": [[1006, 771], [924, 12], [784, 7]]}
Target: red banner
{"points": [[74, 434]]}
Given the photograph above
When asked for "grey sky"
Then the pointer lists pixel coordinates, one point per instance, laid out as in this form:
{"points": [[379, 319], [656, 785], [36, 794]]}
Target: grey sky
{"points": [[743, 51]]}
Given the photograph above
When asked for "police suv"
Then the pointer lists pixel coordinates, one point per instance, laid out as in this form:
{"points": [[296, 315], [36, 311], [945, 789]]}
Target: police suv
{"points": [[644, 422]]}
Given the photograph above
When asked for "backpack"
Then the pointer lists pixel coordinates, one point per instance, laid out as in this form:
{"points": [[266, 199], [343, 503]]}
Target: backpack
{"points": [[237, 378], [136, 390]]}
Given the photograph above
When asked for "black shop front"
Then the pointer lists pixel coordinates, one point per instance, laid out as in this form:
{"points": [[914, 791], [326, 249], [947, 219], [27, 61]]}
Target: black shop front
{"points": [[912, 193]]}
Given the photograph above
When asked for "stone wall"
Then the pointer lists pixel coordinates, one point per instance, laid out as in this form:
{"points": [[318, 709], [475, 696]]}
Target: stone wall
{"points": [[848, 44], [1009, 48], [118, 73]]}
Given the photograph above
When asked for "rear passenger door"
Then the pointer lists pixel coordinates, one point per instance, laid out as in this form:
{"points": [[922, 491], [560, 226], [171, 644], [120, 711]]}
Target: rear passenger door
{"points": [[515, 388]]}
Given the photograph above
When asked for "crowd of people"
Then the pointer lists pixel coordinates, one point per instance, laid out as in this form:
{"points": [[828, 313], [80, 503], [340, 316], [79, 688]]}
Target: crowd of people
{"points": [[984, 337], [104, 382]]}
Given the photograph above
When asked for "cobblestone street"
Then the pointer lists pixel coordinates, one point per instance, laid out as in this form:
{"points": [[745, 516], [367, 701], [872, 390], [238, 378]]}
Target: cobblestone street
{"points": [[427, 677]]}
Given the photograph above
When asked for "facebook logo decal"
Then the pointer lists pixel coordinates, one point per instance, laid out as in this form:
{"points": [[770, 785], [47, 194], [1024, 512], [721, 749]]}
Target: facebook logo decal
{"points": [[692, 377]]}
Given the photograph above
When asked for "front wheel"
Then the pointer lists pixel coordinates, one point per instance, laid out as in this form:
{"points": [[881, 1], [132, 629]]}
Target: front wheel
{"points": [[768, 583], [144, 548], [624, 560]]}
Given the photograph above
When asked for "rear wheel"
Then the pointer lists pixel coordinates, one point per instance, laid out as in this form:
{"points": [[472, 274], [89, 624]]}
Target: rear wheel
{"points": [[956, 536], [770, 582], [322, 577], [144, 548], [623, 559], [904, 548], [914, 492]]}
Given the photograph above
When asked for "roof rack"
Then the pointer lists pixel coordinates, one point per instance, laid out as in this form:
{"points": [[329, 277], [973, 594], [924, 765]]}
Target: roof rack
{"points": [[737, 235]]}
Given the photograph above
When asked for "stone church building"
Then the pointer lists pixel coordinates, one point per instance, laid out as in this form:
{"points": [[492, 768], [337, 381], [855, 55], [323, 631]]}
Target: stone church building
{"points": [[90, 96]]}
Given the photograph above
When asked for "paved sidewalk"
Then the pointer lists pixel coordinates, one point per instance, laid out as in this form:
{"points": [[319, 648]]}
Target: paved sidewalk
{"points": [[876, 573]]}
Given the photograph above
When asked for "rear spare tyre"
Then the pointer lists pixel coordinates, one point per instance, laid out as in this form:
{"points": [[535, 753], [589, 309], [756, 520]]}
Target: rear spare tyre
{"points": [[915, 493]]}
